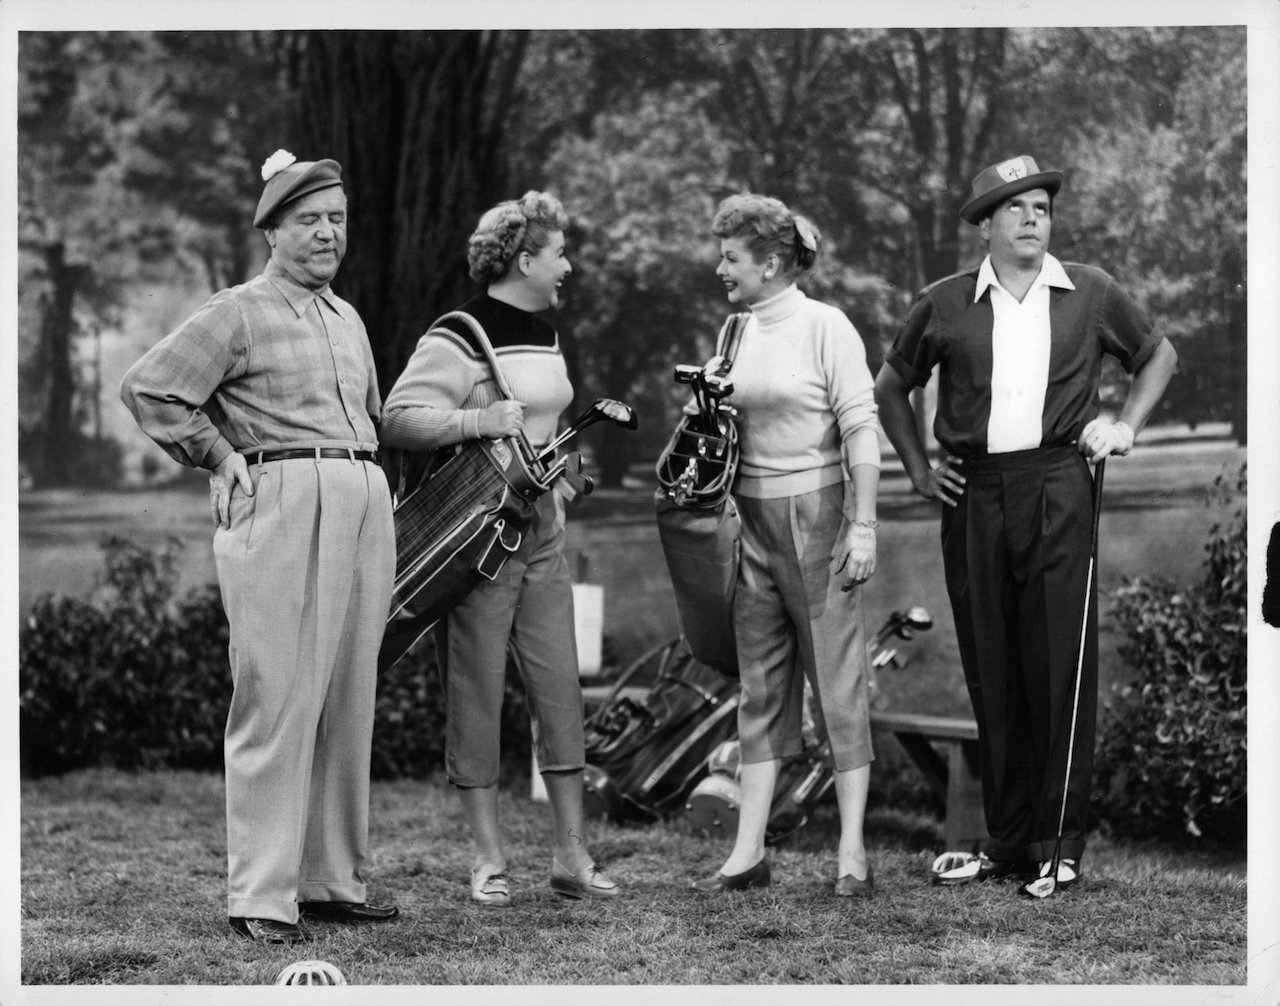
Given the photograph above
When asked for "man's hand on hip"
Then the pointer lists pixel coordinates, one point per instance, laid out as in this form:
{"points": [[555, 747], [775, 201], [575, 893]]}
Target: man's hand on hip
{"points": [[942, 482], [232, 470]]}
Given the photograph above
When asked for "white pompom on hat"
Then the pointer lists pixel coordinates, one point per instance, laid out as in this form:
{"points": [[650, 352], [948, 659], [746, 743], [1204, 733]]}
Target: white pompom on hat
{"points": [[288, 179]]}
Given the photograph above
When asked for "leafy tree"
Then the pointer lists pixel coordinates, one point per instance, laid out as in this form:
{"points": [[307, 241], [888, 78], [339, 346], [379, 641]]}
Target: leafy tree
{"points": [[77, 232], [134, 163]]}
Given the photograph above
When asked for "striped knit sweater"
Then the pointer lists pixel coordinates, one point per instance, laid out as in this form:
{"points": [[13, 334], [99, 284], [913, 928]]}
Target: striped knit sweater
{"points": [[438, 399]]}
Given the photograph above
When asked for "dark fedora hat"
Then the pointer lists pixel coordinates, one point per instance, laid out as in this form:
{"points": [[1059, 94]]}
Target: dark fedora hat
{"points": [[998, 182], [288, 179]]}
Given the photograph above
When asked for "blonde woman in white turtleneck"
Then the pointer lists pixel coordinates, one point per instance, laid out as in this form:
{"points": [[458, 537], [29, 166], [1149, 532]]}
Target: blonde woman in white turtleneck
{"points": [[806, 490]]}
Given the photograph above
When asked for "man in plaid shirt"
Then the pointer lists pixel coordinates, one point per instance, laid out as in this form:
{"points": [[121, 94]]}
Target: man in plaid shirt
{"points": [[271, 386]]}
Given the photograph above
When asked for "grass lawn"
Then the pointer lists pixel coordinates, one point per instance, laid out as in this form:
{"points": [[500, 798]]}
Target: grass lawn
{"points": [[123, 883], [123, 877]]}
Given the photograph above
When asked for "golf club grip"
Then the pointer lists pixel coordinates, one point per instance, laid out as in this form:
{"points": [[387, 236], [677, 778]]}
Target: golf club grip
{"points": [[1098, 471]]}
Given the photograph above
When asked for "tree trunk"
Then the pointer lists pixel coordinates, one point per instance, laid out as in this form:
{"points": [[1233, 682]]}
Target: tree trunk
{"points": [[55, 460], [416, 119]]}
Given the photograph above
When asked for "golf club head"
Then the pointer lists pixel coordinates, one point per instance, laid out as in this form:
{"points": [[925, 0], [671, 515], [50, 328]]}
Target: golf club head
{"points": [[919, 618], [618, 413], [718, 387], [582, 484], [687, 373], [717, 366], [1041, 887]]}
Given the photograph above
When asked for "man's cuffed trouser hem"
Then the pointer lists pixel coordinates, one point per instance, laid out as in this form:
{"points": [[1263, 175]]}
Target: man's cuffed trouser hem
{"points": [[319, 890], [263, 908], [1042, 852]]}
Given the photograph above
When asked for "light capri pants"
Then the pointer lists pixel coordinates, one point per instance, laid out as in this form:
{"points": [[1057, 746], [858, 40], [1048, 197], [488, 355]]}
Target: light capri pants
{"points": [[792, 622], [530, 604], [306, 572]]}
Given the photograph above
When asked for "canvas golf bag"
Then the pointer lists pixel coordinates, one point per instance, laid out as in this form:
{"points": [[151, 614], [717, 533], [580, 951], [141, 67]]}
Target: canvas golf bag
{"points": [[644, 754]]}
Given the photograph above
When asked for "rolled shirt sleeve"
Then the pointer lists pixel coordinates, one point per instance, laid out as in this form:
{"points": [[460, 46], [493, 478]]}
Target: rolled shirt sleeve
{"points": [[170, 390]]}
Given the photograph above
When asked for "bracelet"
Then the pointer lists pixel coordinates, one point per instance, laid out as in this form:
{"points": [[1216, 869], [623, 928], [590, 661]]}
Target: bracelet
{"points": [[872, 524]]}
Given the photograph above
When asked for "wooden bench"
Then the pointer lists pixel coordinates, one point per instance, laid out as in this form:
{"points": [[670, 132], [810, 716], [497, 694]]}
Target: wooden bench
{"points": [[945, 749]]}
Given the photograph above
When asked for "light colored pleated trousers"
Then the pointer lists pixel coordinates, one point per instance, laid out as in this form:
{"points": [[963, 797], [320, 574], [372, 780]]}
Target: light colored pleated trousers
{"points": [[306, 572], [792, 621]]}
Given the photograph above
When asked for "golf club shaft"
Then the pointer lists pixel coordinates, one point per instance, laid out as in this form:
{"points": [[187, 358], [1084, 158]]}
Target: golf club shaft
{"points": [[1084, 631]]}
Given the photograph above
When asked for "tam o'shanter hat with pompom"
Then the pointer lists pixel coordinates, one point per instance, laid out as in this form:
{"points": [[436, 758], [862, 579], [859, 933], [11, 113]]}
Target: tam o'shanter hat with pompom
{"points": [[998, 182], [288, 179]]}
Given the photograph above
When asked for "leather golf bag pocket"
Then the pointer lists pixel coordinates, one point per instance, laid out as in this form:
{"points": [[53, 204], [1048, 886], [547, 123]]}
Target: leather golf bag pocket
{"points": [[702, 548]]}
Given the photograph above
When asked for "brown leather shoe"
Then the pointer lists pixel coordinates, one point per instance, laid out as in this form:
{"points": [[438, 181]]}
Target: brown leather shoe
{"points": [[267, 930], [760, 875], [348, 911]]}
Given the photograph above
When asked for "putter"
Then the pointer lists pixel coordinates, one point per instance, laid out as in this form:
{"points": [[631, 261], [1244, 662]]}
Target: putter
{"points": [[1044, 886], [601, 409]]}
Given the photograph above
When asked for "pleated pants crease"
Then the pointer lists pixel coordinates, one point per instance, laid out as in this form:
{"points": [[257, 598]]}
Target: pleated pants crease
{"points": [[306, 573], [792, 622], [1016, 555]]}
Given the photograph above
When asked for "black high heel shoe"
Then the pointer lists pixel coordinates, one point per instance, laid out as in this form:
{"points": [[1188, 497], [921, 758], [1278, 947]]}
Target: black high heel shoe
{"points": [[850, 886], [759, 875]]}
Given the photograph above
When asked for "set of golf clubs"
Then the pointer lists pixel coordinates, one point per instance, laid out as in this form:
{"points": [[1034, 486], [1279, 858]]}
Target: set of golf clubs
{"points": [[565, 474], [710, 387]]}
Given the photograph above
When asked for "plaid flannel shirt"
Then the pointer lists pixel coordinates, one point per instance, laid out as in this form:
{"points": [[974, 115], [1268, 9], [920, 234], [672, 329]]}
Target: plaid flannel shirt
{"points": [[268, 364]]}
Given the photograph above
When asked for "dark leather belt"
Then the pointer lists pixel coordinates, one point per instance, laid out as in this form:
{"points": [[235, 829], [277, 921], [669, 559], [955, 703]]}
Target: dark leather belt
{"points": [[258, 457]]}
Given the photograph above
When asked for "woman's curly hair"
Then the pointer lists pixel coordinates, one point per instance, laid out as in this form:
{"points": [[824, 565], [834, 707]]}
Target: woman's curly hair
{"points": [[512, 227], [768, 228]]}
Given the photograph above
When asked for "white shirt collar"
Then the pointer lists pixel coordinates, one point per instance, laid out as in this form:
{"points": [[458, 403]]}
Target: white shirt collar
{"points": [[1051, 274]]}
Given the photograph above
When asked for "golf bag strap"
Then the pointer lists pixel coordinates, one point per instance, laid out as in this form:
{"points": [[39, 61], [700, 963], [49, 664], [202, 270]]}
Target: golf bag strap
{"points": [[499, 379], [486, 347], [731, 336]]}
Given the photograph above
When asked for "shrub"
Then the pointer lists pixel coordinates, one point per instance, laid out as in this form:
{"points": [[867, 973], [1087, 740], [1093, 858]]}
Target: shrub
{"points": [[129, 677], [1172, 752], [123, 678]]}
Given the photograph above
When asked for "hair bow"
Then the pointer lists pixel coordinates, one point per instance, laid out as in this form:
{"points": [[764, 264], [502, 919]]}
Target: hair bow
{"points": [[805, 232]]}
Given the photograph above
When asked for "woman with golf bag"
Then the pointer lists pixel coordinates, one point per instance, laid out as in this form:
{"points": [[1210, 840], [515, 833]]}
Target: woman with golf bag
{"points": [[447, 394], [806, 488]]}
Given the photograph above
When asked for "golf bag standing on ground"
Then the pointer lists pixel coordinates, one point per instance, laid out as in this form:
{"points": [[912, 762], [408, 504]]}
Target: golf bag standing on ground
{"points": [[676, 748], [804, 780], [643, 756]]}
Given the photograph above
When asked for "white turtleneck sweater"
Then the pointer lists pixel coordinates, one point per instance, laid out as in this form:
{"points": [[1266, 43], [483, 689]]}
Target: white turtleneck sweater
{"points": [[801, 383]]}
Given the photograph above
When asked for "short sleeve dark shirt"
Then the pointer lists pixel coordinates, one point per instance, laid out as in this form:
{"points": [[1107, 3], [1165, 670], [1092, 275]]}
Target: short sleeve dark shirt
{"points": [[947, 328]]}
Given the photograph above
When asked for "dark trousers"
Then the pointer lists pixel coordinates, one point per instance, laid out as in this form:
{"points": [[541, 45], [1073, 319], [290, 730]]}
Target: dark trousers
{"points": [[1016, 554]]}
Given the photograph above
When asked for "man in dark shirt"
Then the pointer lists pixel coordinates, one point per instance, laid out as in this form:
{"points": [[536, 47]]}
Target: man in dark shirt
{"points": [[1018, 343], [271, 386]]}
